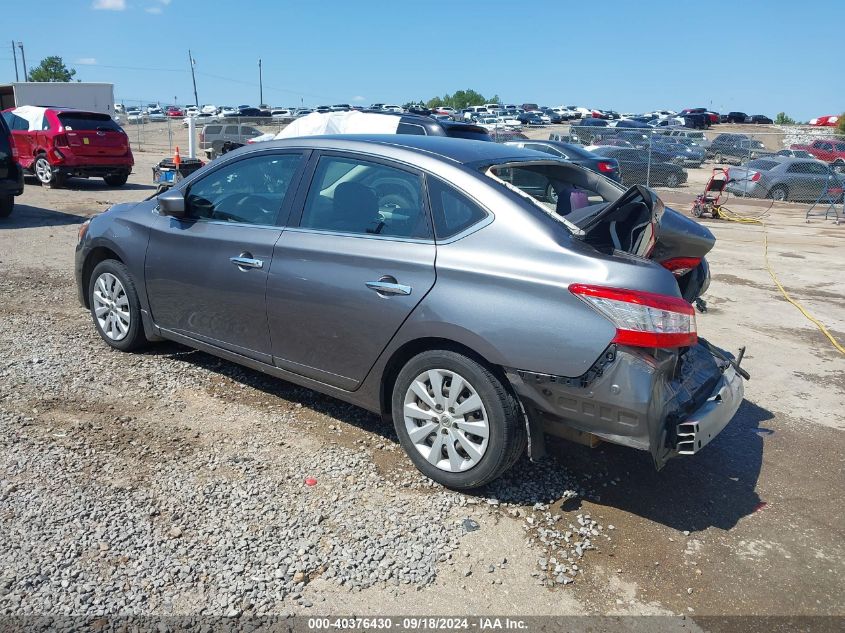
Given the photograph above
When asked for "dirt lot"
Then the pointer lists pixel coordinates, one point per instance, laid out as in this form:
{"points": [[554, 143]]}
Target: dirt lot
{"points": [[170, 482]]}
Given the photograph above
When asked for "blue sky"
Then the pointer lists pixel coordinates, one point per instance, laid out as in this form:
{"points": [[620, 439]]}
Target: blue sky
{"points": [[759, 56]]}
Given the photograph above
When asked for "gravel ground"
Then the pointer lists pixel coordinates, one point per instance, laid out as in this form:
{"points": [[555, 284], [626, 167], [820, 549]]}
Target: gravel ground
{"points": [[171, 482]]}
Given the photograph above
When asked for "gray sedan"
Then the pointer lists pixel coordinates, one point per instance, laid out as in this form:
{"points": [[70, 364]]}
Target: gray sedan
{"points": [[412, 276], [785, 178]]}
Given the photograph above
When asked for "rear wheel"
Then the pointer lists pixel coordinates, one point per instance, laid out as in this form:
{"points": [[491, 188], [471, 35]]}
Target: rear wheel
{"points": [[7, 204], [456, 420], [672, 180], [44, 172], [779, 193], [718, 157], [116, 180]]}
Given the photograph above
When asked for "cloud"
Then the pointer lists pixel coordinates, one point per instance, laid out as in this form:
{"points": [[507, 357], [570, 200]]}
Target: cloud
{"points": [[109, 5], [159, 8], [153, 10], [358, 98], [86, 61]]}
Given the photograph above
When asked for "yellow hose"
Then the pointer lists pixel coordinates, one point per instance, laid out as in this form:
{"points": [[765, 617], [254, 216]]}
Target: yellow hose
{"points": [[729, 215]]}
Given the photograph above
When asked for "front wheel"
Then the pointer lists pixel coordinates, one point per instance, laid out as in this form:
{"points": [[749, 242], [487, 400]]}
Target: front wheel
{"points": [[672, 180], [115, 307], [456, 420]]}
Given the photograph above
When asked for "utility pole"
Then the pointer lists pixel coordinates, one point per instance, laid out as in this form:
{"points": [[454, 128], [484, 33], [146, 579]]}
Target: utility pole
{"points": [[193, 77], [23, 61], [15, 57], [260, 85]]}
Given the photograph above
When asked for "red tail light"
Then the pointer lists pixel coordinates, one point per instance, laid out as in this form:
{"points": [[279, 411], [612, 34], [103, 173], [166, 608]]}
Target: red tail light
{"points": [[605, 167], [14, 152], [755, 177], [60, 140], [642, 319], [681, 265]]}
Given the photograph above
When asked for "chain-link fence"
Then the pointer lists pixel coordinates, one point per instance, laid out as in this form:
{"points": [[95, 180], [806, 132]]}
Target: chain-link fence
{"points": [[791, 163]]}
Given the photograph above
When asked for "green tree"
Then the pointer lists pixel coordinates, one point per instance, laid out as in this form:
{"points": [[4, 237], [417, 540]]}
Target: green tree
{"points": [[783, 119], [52, 69], [461, 99], [841, 125]]}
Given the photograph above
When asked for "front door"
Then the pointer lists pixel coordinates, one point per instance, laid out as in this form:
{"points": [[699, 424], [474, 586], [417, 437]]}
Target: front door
{"points": [[207, 273], [345, 279]]}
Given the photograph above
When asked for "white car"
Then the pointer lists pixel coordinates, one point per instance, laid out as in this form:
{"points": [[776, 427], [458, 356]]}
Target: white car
{"points": [[445, 110], [192, 111], [156, 114], [281, 113], [391, 108], [135, 116], [225, 111], [200, 119], [209, 109], [509, 121], [669, 122]]}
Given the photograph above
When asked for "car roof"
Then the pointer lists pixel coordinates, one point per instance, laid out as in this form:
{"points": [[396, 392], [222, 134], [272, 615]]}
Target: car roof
{"points": [[456, 150]]}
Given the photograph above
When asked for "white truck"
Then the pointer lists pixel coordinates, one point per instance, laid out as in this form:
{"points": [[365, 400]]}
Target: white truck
{"points": [[93, 97]]}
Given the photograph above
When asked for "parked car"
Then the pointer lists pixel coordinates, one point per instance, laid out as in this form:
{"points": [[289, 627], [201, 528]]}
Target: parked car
{"points": [[574, 154], [736, 148], [372, 298], [214, 135], [531, 118], [156, 114], [200, 119], [677, 152], [209, 109], [174, 111], [694, 135], [55, 144], [135, 116], [830, 120], [227, 111], [736, 117], [786, 178], [589, 130], [795, 153], [661, 124], [827, 150], [759, 119], [636, 169], [11, 173]]}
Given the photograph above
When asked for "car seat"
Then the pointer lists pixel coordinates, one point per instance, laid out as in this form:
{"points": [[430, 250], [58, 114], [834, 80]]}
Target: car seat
{"points": [[355, 208]]}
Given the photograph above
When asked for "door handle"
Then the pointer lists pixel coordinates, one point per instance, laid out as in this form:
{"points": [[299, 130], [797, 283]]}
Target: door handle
{"points": [[244, 261], [388, 286]]}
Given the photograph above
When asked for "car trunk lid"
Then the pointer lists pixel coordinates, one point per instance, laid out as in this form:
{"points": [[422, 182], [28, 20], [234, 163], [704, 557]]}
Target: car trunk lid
{"points": [[92, 134]]}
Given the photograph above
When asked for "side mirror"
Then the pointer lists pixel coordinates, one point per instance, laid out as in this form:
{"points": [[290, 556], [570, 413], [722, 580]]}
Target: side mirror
{"points": [[172, 203]]}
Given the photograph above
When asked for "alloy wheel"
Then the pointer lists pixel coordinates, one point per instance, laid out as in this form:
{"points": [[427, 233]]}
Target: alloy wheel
{"points": [[111, 307], [43, 171], [446, 420]]}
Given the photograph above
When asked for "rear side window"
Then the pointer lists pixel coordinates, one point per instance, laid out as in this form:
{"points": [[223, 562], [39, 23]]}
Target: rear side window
{"points": [[213, 129], [15, 122], [764, 165], [231, 129], [453, 211], [88, 121]]}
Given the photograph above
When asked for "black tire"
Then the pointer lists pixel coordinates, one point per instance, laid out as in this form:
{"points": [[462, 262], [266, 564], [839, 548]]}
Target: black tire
{"points": [[672, 180], [116, 180], [507, 435], [718, 158], [551, 194], [134, 338], [779, 193], [7, 205]]}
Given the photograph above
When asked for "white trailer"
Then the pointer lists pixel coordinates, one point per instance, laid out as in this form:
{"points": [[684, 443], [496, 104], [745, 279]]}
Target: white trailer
{"points": [[93, 97]]}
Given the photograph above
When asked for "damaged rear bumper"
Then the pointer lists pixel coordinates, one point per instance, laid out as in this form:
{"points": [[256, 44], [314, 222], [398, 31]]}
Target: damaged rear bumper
{"points": [[669, 404]]}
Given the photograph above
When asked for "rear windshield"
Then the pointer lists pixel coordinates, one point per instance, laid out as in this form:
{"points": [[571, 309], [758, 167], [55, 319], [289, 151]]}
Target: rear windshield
{"points": [[763, 165], [88, 121], [472, 134]]}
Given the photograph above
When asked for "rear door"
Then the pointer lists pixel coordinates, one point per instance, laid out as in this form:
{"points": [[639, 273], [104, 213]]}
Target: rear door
{"points": [[93, 134], [344, 280], [206, 274]]}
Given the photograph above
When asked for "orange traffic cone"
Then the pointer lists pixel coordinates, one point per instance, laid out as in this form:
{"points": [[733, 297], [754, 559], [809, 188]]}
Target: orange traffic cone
{"points": [[177, 160]]}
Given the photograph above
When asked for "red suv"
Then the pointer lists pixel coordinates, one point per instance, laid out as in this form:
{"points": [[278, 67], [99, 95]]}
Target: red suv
{"points": [[56, 143]]}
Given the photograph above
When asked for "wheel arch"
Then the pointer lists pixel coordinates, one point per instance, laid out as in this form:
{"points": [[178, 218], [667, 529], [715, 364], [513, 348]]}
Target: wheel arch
{"points": [[98, 254], [408, 350]]}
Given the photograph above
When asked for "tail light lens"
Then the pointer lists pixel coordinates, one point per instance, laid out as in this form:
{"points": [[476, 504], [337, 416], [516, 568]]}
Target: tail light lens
{"points": [[642, 319], [14, 152], [681, 265], [60, 140], [755, 177], [605, 167]]}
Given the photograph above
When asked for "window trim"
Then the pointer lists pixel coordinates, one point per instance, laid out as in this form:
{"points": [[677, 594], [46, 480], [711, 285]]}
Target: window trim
{"points": [[284, 212], [307, 182]]}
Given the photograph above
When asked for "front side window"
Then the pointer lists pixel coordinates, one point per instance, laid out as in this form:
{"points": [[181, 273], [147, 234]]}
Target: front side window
{"points": [[349, 195], [249, 191], [231, 130]]}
